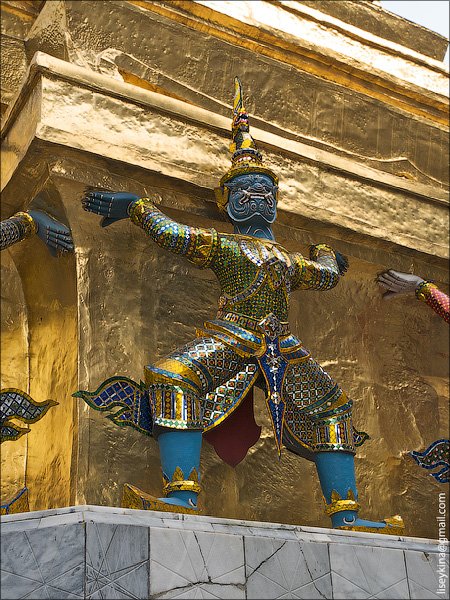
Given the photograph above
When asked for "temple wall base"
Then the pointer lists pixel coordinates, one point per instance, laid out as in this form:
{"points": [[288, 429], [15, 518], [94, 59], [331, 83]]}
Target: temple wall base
{"points": [[105, 552]]}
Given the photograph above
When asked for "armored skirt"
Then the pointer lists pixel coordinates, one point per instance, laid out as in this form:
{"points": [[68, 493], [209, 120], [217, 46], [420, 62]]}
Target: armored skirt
{"points": [[207, 385]]}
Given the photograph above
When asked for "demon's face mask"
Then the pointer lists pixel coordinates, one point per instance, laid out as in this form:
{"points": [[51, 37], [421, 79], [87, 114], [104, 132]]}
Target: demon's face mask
{"points": [[252, 199]]}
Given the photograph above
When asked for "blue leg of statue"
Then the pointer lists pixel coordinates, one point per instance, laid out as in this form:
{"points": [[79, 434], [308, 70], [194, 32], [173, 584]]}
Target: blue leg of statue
{"points": [[180, 462], [336, 472]]}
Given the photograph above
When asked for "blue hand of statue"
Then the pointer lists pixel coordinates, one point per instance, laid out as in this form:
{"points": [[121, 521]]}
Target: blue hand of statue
{"points": [[112, 206], [52, 232]]}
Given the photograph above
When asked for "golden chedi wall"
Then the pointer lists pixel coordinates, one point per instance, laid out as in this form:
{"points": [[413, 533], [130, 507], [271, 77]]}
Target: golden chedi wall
{"points": [[349, 105]]}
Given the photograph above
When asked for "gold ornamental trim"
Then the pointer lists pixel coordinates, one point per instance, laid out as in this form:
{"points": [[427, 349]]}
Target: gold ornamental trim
{"points": [[176, 375], [341, 505], [28, 223], [423, 290], [180, 484], [136, 211], [211, 326], [185, 485], [338, 504], [395, 521]]}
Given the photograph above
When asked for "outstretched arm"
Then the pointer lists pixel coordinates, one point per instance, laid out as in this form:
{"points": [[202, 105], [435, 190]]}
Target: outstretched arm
{"points": [[395, 282], [197, 244], [25, 224], [321, 272]]}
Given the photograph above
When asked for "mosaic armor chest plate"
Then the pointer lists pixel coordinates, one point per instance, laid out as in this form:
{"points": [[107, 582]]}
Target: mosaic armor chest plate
{"points": [[254, 277]]}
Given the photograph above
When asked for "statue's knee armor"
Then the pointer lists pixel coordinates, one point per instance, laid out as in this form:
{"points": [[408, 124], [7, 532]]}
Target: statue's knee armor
{"points": [[175, 406], [333, 426], [179, 383], [318, 413]]}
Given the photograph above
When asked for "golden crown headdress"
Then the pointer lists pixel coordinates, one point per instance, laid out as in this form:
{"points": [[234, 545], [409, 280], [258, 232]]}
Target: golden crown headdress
{"points": [[246, 158]]}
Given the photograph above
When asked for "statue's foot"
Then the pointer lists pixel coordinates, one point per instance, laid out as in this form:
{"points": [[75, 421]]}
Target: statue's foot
{"points": [[178, 503], [133, 497], [390, 526]]}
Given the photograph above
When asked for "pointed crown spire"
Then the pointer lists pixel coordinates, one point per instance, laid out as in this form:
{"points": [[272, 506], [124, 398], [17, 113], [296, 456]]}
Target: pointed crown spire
{"points": [[246, 158], [243, 145]]}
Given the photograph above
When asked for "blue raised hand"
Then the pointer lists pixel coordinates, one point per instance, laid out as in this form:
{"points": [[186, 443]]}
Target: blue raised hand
{"points": [[52, 232], [112, 206]]}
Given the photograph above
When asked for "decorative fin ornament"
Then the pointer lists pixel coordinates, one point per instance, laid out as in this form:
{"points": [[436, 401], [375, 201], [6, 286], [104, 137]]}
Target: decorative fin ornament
{"points": [[10, 431], [16, 404], [18, 504], [246, 158], [129, 396], [436, 455], [359, 437]]}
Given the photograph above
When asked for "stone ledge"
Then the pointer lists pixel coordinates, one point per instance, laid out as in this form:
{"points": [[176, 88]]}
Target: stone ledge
{"points": [[44, 66], [107, 552]]}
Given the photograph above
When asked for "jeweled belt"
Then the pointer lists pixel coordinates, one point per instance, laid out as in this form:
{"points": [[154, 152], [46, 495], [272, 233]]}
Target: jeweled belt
{"points": [[253, 324]]}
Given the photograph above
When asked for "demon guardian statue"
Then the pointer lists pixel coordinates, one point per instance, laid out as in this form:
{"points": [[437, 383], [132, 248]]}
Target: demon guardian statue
{"points": [[204, 388]]}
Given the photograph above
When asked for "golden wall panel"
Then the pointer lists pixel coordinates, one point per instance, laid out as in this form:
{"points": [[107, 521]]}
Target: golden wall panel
{"points": [[13, 66], [18, 16], [41, 359], [50, 291], [16, 20], [310, 32], [13, 369], [182, 141]]}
